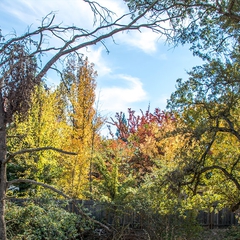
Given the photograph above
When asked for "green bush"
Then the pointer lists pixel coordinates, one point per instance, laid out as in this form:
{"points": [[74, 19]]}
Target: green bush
{"points": [[233, 233], [169, 227], [46, 222]]}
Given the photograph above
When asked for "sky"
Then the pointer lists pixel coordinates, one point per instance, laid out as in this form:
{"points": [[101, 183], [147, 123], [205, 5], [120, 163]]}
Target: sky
{"points": [[140, 68]]}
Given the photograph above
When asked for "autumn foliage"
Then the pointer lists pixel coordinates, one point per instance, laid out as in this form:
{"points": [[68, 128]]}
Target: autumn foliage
{"points": [[142, 134]]}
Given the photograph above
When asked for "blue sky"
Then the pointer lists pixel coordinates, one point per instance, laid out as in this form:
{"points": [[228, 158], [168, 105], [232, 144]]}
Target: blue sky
{"points": [[140, 68]]}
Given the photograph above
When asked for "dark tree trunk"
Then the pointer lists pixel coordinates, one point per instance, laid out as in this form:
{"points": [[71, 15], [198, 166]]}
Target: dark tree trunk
{"points": [[3, 152]]}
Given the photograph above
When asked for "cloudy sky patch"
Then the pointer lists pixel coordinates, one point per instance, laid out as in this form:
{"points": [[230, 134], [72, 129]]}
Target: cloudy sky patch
{"points": [[146, 40], [115, 99]]}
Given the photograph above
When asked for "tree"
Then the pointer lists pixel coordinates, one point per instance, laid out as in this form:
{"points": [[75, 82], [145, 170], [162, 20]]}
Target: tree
{"points": [[209, 26], [22, 68], [208, 104], [44, 126], [113, 179], [80, 80], [142, 134]]}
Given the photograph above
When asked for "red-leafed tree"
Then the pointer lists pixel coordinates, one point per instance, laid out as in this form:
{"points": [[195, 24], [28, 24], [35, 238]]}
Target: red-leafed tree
{"points": [[142, 132]]}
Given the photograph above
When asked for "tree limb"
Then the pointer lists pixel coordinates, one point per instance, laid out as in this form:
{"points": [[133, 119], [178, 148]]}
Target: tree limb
{"points": [[225, 172], [232, 131], [66, 49], [29, 150]]}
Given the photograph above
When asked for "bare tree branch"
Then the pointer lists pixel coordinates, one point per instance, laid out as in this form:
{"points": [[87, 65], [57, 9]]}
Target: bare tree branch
{"points": [[30, 150], [115, 26], [103, 12], [80, 38], [17, 181]]}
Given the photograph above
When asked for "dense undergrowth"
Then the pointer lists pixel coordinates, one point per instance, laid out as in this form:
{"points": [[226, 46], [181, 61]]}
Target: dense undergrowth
{"points": [[50, 220]]}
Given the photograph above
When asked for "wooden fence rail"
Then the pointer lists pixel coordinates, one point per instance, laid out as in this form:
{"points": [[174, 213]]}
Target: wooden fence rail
{"points": [[125, 216], [223, 218], [121, 216]]}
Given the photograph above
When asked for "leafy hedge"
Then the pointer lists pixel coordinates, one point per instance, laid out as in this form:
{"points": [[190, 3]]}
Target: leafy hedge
{"points": [[46, 222]]}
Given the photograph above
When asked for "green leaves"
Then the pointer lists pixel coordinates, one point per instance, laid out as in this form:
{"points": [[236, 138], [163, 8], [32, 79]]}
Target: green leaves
{"points": [[211, 28], [213, 83], [41, 128], [208, 104], [48, 221]]}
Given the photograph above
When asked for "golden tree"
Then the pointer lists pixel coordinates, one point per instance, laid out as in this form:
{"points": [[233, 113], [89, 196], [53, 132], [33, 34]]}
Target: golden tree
{"points": [[81, 85]]}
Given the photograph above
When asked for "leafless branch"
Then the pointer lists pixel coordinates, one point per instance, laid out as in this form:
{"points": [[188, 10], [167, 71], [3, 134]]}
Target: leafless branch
{"points": [[30, 150], [103, 12], [79, 38], [17, 181]]}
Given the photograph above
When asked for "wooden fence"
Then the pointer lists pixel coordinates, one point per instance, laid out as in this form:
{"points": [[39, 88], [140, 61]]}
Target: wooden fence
{"points": [[107, 213], [119, 215], [223, 218], [126, 216]]}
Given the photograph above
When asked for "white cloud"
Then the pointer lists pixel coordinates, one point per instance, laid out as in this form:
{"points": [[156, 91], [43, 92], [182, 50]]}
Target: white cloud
{"points": [[96, 57], [114, 99], [145, 39], [78, 12], [71, 12]]}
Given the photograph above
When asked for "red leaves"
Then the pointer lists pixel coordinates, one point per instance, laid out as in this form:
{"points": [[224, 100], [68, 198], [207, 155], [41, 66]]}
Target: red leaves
{"points": [[141, 133], [139, 125]]}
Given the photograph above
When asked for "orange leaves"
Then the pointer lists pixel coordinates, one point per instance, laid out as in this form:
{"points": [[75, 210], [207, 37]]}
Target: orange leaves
{"points": [[142, 134]]}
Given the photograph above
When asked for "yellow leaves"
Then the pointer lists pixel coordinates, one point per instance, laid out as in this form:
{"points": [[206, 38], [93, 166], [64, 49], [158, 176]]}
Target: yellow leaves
{"points": [[42, 128], [82, 129], [149, 147]]}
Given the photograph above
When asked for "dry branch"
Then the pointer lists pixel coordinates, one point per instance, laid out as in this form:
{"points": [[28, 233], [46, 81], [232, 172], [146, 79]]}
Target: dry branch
{"points": [[29, 150]]}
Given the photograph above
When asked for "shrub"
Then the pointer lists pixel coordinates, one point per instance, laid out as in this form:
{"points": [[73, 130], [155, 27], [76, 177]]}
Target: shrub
{"points": [[42, 222]]}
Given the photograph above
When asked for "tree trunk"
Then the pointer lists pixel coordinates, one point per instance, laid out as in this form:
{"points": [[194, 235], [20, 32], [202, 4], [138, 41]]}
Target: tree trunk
{"points": [[3, 178]]}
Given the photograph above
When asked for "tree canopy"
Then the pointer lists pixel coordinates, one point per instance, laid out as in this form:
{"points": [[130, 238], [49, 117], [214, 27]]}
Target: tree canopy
{"points": [[210, 27]]}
